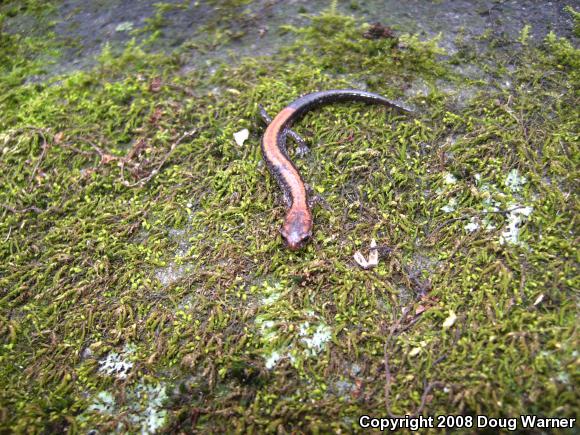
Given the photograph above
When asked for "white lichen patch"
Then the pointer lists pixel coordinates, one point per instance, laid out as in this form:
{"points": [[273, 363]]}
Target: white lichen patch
{"points": [[344, 388], [125, 26], [450, 206], [491, 195], [315, 338], [449, 178], [117, 364], [181, 236], [488, 225], [104, 402], [170, 274], [517, 216], [494, 200], [146, 403], [514, 182], [563, 377], [272, 359], [267, 328], [472, 226], [271, 293], [143, 409], [176, 269], [271, 298]]}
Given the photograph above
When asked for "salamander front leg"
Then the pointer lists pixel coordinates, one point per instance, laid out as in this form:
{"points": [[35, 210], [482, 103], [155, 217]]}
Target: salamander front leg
{"points": [[314, 199], [302, 147]]}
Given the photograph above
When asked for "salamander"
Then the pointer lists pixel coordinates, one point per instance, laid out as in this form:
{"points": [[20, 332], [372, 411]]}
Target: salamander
{"points": [[297, 227]]}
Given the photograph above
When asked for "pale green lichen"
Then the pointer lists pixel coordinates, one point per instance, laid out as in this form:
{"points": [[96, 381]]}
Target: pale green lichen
{"points": [[125, 26], [116, 364], [144, 409], [104, 403], [150, 416], [315, 336], [449, 178], [450, 206], [514, 182], [515, 219], [472, 226]]}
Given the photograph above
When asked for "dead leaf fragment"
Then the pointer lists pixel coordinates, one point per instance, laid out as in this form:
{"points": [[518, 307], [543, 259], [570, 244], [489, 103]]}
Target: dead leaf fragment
{"points": [[241, 136], [361, 260], [58, 137], [155, 85], [450, 320], [156, 116], [415, 351], [378, 31], [373, 257], [420, 309], [107, 158]]}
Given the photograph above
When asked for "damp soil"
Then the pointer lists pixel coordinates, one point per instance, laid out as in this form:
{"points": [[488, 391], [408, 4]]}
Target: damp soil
{"points": [[85, 28]]}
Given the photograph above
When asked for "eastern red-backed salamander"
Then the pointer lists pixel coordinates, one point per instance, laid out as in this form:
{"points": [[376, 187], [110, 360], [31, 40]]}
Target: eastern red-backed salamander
{"points": [[297, 227]]}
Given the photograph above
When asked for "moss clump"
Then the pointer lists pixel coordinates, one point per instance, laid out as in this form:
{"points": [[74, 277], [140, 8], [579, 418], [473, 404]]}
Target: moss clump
{"points": [[118, 176]]}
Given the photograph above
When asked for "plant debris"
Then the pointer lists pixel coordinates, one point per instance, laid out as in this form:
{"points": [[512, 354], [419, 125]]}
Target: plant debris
{"points": [[378, 31]]}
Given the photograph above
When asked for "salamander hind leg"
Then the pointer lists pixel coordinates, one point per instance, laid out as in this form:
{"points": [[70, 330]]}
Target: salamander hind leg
{"points": [[314, 198]]}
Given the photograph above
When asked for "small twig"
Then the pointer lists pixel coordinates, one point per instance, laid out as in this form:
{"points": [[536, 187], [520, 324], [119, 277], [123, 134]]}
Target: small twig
{"points": [[440, 359], [7, 235], [134, 151], [101, 153], [105, 157], [409, 324], [162, 162], [388, 378], [24, 210], [41, 157], [76, 150], [187, 91]]}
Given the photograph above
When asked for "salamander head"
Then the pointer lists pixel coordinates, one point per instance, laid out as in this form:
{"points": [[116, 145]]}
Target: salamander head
{"points": [[297, 229]]}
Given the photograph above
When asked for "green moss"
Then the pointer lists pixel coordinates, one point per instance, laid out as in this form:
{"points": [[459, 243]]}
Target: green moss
{"points": [[158, 21], [114, 177], [576, 17]]}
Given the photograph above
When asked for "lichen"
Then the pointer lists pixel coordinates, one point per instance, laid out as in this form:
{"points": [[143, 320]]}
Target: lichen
{"points": [[117, 365]]}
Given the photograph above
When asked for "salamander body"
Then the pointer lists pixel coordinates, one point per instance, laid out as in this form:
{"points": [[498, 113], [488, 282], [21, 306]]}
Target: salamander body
{"points": [[297, 227]]}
